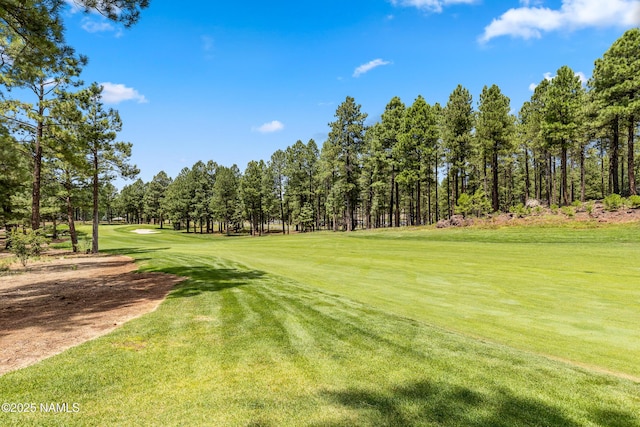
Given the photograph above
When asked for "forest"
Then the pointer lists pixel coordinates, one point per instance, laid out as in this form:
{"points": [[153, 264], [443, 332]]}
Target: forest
{"points": [[423, 162], [571, 142]]}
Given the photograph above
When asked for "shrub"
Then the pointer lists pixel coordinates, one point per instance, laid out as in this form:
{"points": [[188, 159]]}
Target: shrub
{"points": [[480, 202], [85, 245], [26, 245], [520, 210], [634, 201], [589, 207], [569, 211], [576, 204], [4, 264], [553, 208], [613, 202]]}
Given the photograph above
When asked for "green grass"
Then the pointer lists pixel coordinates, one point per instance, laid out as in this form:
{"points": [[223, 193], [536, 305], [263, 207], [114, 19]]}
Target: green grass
{"points": [[383, 328], [571, 293]]}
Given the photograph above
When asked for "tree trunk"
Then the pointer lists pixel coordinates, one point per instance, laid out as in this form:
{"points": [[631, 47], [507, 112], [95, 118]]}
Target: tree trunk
{"points": [[94, 236], [436, 195], [282, 212], [449, 194], [37, 163], [563, 172], [614, 157], [527, 181], [583, 182], [72, 226], [418, 202], [430, 217], [485, 183], [631, 158], [456, 187], [549, 181], [397, 205], [393, 181], [602, 169], [495, 200]]}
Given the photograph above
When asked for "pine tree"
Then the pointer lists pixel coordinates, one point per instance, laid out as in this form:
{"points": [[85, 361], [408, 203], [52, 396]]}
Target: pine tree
{"points": [[154, 196], [32, 122], [616, 83], [179, 198], [458, 122], [226, 199], [391, 131], [105, 155], [494, 127], [346, 136], [277, 165], [562, 118]]}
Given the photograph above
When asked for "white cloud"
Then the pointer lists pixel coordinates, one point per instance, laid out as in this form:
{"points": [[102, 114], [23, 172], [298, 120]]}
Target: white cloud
{"points": [[527, 3], [74, 7], [365, 68], [430, 5], [92, 26], [549, 76], [115, 93], [583, 78], [530, 22], [274, 126]]}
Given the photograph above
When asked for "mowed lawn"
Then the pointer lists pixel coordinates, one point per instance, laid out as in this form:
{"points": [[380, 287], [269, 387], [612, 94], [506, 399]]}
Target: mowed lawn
{"points": [[571, 293], [412, 327]]}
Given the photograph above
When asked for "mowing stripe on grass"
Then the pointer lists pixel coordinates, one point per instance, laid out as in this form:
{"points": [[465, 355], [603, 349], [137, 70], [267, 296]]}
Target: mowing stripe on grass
{"points": [[244, 348]]}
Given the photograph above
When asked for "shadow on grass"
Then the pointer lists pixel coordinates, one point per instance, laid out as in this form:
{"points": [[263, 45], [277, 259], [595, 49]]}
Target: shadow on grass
{"points": [[209, 279], [437, 403], [132, 251]]}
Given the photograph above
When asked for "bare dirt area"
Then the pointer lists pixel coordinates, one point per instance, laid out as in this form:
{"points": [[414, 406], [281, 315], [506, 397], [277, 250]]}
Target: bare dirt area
{"points": [[546, 216], [61, 302]]}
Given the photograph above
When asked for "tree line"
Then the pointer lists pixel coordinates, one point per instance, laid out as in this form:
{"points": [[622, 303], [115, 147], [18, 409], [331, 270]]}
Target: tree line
{"points": [[421, 163], [418, 164], [57, 139]]}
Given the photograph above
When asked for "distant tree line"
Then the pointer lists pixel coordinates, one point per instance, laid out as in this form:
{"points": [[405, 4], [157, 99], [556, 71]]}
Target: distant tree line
{"points": [[421, 162]]}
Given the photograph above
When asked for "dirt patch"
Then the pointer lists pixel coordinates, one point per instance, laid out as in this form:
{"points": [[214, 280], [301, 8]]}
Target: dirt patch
{"points": [[62, 302], [546, 216]]}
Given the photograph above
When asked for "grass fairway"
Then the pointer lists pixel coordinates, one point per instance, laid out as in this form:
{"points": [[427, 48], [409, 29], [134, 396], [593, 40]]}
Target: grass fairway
{"points": [[379, 328]]}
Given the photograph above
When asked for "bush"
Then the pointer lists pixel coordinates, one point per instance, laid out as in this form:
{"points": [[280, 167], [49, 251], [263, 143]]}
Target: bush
{"points": [[613, 202], [569, 211], [520, 210], [4, 264], [26, 245], [480, 202], [589, 207], [553, 208], [634, 201]]}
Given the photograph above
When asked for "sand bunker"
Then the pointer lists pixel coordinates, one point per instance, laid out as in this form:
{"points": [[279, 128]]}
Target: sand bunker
{"points": [[144, 231]]}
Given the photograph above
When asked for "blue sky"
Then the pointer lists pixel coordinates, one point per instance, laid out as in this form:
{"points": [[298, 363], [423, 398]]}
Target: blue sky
{"points": [[235, 81]]}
